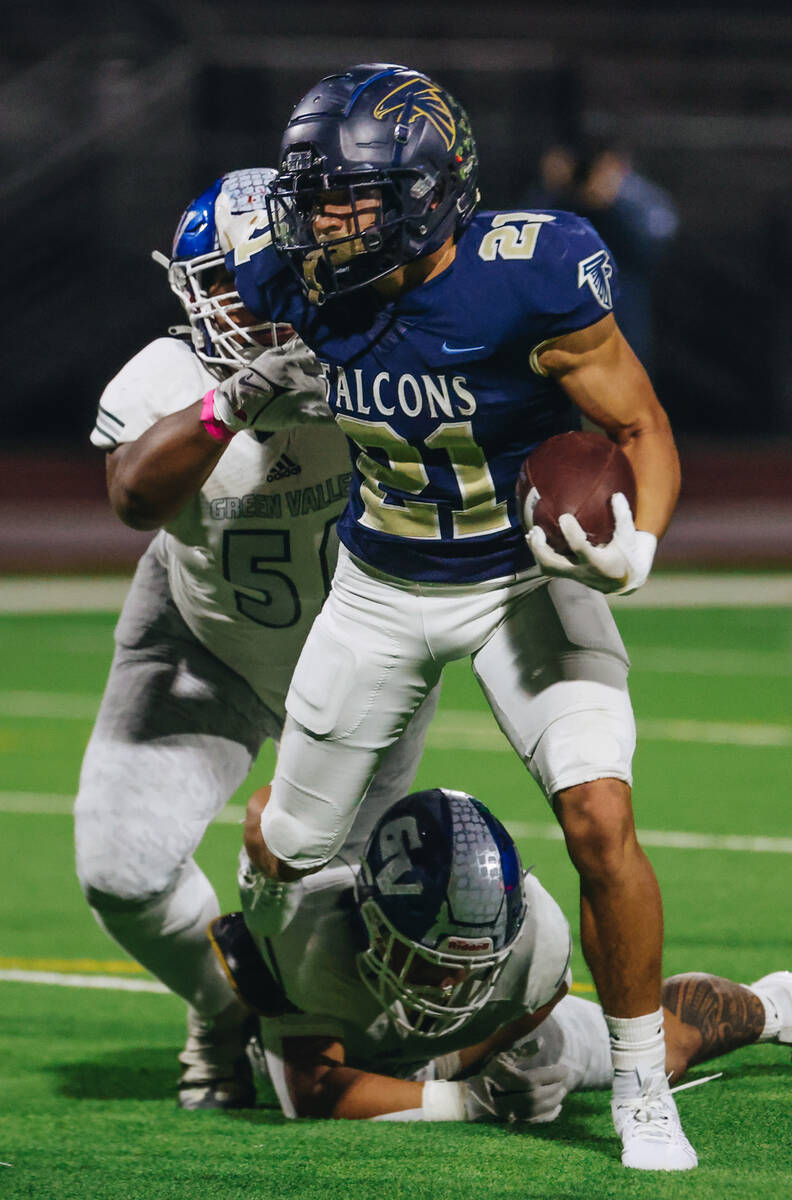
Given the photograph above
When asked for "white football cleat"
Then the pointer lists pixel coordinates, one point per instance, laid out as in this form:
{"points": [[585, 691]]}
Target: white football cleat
{"points": [[650, 1130], [775, 991], [216, 1071]]}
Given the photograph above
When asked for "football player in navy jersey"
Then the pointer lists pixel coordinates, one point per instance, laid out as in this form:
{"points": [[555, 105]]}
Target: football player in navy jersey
{"points": [[453, 343]]}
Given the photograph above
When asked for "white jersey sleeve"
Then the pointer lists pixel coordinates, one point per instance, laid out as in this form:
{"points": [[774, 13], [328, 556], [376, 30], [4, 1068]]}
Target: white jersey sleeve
{"points": [[541, 972], [163, 378]]}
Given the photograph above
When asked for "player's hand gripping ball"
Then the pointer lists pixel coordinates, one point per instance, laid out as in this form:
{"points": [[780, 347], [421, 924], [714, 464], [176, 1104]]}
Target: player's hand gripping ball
{"points": [[576, 496], [574, 473]]}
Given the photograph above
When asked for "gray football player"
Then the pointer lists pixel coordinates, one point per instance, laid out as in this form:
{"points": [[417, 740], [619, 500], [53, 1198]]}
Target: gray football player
{"points": [[430, 981], [223, 443]]}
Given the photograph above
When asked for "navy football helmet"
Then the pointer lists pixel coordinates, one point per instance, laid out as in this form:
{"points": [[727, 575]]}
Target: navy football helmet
{"points": [[440, 891], [378, 130], [224, 335]]}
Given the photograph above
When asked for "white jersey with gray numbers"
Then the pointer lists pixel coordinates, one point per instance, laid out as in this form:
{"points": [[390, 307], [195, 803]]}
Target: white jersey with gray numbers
{"points": [[251, 556], [314, 962]]}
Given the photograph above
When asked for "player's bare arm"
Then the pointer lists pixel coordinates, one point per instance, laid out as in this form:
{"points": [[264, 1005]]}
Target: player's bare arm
{"points": [[321, 1085], [150, 480], [602, 376], [508, 1035]]}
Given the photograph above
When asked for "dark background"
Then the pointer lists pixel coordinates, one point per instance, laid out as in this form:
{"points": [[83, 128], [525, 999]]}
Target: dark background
{"points": [[115, 114]]}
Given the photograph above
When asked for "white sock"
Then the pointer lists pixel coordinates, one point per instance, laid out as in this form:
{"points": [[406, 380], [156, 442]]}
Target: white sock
{"points": [[168, 937], [637, 1051]]}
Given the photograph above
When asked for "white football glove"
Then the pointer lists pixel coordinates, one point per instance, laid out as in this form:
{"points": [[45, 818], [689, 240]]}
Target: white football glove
{"points": [[620, 567], [515, 1087], [268, 905], [283, 386]]}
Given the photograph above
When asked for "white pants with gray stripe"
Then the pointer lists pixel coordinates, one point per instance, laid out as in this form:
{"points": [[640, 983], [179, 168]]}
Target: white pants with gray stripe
{"points": [[547, 654]]}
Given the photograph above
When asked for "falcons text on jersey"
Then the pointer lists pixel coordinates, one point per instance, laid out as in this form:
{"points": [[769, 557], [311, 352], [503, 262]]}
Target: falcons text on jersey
{"points": [[440, 393]]}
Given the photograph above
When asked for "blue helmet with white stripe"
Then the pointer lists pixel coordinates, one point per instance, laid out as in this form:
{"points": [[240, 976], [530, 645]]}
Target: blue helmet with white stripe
{"points": [[225, 336], [440, 891]]}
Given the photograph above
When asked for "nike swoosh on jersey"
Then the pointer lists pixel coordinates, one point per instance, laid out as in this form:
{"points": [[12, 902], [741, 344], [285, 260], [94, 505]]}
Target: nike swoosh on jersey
{"points": [[459, 349]]}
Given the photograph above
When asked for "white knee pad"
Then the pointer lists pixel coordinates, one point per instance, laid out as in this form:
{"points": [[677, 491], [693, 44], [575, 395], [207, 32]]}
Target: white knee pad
{"points": [[334, 688], [589, 733], [317, 788], [290, 840], [305, 826]]}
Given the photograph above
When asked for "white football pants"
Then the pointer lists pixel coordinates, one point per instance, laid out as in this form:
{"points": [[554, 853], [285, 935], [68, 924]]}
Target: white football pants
{"points": [[547, 655]]}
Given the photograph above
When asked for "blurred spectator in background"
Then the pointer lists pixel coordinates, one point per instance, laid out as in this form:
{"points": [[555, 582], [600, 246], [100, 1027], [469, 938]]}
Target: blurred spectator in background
{"points": [[635, 217]]}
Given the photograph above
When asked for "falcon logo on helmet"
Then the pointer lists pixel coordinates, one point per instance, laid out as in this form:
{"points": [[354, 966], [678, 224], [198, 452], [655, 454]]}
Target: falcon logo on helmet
{"points": [[440, 892], [419, 98], [378, 138]]}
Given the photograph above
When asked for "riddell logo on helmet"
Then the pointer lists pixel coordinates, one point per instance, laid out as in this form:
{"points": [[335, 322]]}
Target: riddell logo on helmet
{"points": [[419, 98], [468, 945]]}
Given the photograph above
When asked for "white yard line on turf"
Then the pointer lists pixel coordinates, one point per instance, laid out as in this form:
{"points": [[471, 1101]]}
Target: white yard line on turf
{"points": [[45, 804], [714, 733], [452, 729], [65, 594], [83, 981], [671, 839], [671, 660], [760, 590], [461, 729], [50, 706], [112, 983]]}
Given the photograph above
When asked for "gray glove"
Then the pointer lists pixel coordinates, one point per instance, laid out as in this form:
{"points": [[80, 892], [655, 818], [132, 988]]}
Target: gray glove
{"points": [[283, 386], [514, 1087]]}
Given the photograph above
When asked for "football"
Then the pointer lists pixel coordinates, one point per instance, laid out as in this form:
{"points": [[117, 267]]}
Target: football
{"points": [[575, 473]]}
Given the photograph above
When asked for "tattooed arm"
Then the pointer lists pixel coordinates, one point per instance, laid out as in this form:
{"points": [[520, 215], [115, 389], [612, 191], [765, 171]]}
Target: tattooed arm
{"points": [[706, 1016]]}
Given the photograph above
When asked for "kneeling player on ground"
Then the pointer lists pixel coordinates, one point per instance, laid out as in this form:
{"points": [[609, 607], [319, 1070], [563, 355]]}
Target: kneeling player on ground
{"points": [[430, 982]]}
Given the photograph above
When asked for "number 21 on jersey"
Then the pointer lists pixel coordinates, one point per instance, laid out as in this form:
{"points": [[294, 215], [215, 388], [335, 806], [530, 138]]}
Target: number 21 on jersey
{"points": [[513, 235], [386, 489]]}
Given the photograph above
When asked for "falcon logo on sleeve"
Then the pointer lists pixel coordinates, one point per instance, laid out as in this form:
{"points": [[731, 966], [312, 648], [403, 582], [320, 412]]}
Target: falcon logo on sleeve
{"points": [[596, 271]]}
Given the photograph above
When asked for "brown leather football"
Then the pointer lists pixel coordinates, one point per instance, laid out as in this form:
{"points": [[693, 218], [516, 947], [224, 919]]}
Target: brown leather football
{"points": [[576, 473]]}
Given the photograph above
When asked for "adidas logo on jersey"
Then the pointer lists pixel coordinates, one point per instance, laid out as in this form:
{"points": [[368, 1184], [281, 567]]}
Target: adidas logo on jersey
{"points": [[283, 468]]}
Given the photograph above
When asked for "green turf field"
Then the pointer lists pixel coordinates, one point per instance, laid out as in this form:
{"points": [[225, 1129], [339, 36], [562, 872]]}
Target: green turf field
{"points": [[87, 1074]]}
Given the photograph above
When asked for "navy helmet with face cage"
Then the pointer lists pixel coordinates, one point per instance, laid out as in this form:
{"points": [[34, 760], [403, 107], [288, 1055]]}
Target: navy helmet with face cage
{"points": [[375, 126], [198, 278], [441, 883]]}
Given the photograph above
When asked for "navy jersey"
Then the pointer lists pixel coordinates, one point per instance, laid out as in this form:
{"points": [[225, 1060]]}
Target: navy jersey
{"points": [[439, 392]]}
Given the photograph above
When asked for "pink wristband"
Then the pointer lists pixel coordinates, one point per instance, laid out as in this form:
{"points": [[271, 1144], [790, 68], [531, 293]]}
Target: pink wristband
{"points": [[213, 427]]}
